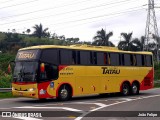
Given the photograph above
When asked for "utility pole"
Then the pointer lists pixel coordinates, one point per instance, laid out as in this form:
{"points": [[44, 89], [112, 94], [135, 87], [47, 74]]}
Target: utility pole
{"points": [[151, 28]]}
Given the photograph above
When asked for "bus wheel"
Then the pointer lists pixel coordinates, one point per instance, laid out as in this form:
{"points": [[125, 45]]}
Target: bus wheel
{"points": [[135, 89], [64, 93], [125, 89]]}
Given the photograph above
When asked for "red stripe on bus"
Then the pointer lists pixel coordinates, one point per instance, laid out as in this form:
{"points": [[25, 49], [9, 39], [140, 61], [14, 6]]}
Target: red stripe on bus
{"points": [[43, 86], [61, 67], [150, 78]]}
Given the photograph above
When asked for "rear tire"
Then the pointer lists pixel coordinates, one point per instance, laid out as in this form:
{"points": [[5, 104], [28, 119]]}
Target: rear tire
{"points": [[125, 89], [135, 89], [64, 93]]}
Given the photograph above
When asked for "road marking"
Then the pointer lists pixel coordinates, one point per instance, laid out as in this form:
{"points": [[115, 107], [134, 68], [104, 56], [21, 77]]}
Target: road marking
{"points": [[12, 99], [98, 104], [27, 118], [65, 108], [124, 99], [139, 98]]}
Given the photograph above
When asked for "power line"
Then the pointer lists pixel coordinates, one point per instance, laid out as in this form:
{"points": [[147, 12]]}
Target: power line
{"points": [[100, 20], [106, 15], [64, 6], [18, 4], [6, 1], [44, 9], [60, 13]]}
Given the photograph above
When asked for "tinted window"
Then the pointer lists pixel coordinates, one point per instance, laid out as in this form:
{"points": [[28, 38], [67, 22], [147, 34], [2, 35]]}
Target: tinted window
{"points": [[139, 60], [65, 57], [74, 57], [107, 59], [50, 72], [85, 57], [100, 58], [50, 56], [94, 58], [127, 59], [114, 59], [133, 60], [143, 60], [149, 60]]}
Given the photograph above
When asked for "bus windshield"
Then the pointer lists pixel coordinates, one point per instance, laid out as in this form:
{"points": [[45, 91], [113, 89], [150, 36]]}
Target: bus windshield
{"points": [[25, 72]]}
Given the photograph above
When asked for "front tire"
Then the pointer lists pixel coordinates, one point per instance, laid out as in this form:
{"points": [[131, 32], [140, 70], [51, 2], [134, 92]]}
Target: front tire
{"points": [[125, 89], [64, 93], [135, 89]]}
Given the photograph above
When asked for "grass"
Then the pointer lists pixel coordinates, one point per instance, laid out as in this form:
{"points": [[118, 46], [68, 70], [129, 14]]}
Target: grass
{"points": [[6, 95], [156, 85]]}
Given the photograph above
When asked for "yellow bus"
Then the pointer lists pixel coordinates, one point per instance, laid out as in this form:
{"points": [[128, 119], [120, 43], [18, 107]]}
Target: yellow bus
{"points": [[51, 71]]}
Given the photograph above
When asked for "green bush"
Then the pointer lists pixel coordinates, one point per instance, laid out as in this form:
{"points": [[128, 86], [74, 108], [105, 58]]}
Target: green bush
{"points": [[4, 61], [157, 71], [5, 81]]}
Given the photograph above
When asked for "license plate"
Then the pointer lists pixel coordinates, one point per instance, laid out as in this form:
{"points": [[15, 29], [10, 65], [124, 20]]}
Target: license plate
{"points": [[20, 93]]}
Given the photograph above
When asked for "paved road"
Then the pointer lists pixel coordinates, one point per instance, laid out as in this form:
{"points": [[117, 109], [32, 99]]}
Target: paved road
{"points": [[145, 106]]}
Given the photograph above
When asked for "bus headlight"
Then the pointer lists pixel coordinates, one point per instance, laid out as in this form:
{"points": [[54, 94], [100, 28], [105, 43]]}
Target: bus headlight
{"points": [[31, 89], [13, 88]]}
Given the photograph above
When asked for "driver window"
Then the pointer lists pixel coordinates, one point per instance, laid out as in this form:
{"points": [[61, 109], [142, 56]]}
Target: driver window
{"points": [[49, 72]]}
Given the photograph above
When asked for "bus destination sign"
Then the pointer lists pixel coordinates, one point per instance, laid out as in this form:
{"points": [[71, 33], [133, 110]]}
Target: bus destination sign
{"points": [[27, 55]]}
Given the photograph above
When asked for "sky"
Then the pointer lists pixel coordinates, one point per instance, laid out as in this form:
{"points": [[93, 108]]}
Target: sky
{"points": [[77, 18]]}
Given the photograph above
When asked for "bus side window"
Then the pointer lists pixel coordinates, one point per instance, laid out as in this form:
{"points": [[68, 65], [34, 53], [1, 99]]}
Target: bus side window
{"points": [[92, 58], [143, 60], [122, 58], [148, 60], [105, 59], [131, 59], [95, 58], [50, 56], [50, 72], [127, 61], [134, 60], [108, 59], [74, 57], [85, 58], [114, 59], [65, 57], [78, 57], [100, 58], [139, 60]]}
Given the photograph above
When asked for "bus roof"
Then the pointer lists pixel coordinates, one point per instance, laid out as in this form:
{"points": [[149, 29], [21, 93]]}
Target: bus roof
{"points": [[84, 47]]}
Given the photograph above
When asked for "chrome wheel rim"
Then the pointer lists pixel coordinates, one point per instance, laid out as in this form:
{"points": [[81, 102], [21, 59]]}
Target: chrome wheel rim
{"points": [[64, 93], [134, 89], [125, 90]]}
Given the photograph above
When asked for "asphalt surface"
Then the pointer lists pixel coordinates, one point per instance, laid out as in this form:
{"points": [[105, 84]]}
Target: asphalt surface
{"points": [[145, 106]]}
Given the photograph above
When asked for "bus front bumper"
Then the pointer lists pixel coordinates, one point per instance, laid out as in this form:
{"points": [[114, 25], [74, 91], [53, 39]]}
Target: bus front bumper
{"points": [[31, 94]]}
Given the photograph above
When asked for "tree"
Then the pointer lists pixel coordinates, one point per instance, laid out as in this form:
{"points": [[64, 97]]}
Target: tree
{"points": [[72, 40], [126, 44], [157, 39], [11, 42], [62, 37], [138, 45], [39, 31], [102, 38], [28, 31]]}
